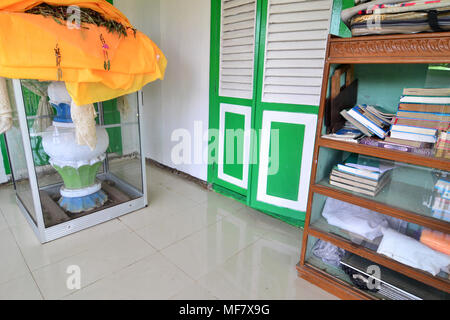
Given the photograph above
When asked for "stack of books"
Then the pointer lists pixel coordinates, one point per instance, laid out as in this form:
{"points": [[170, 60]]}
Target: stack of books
{"points": [[422, 113], [369, 120], [441, 209], [442, 148], [441, 205], [361, 174]]}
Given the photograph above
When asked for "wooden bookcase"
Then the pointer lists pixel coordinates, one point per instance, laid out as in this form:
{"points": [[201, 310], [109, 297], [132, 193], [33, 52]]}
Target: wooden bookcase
{"points": [[433, 48]]}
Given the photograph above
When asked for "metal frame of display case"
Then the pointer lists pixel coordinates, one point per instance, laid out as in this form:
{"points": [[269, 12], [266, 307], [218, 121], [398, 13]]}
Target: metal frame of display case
{"points": [[47, 234]]}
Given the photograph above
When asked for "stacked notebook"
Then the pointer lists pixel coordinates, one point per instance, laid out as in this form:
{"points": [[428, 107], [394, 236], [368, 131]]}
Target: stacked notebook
{"points": [[422, 113], [369, 120], [361, 174]]}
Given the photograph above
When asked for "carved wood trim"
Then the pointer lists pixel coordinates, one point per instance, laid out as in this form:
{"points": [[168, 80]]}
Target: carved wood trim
{"points": [[434, 46]]}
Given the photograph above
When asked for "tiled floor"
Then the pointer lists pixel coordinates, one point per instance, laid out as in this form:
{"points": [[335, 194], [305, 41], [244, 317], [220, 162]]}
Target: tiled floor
{"points": [[189, 244]]}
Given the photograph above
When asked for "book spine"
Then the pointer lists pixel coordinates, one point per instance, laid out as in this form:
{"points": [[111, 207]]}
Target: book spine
{"points": [[413, 136], [386, 145], [353, 183], [418, 107], [424, 116], [337, 173], [411, 129], [425, 100], [357, 124], [372, 117], [367, 123], [423, 123], [397, 147], [426, 92], [373, 112], [347, 187]]}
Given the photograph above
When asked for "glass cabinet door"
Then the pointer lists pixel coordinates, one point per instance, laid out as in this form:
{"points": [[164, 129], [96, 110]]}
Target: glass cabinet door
{"points": [[74, 180], [18, 159], [415, 189], [372, 279]]}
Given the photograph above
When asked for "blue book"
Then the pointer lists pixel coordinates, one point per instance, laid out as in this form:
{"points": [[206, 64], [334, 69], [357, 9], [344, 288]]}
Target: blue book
{"points": [[348, 132], [360, 115]]}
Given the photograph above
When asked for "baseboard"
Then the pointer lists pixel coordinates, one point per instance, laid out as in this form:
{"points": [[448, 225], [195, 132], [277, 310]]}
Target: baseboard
{"points": [[181, 174]]}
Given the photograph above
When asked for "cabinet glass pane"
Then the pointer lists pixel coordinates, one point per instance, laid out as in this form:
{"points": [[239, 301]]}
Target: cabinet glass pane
{"points": [[18, 160], [367, 228], [372, 279], [421, 190], [125, 160], [70, 189]]}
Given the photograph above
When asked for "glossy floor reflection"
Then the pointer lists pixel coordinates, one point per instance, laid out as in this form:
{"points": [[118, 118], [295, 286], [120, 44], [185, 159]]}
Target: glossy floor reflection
{"points": [[189, 243]]}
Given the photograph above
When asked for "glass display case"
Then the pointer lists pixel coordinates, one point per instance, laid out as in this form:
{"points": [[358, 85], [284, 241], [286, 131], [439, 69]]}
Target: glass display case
{"points": [[63, 187]]}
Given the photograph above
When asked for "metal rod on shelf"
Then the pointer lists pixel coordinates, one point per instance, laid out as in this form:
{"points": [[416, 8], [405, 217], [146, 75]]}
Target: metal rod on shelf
{"points": [[101, 120]]}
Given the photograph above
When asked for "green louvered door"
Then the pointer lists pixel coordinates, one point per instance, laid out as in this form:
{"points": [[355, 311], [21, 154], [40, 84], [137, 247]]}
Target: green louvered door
{"points": [[290, 71], [290, 52], [232, 93]]}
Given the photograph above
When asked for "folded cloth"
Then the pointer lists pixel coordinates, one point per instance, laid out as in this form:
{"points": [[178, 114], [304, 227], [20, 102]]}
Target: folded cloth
{"points": [[84, 119], [411, 22], [328, 252], [5, 107], [96, 65], [412, 253], [397, 18], [436, 240], [361, 221], [347, 14]]}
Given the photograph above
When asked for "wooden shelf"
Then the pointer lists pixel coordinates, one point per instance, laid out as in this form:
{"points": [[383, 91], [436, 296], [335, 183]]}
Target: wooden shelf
{"points": [[425, 48], [429, 222], [411, 158], [439, 283]]}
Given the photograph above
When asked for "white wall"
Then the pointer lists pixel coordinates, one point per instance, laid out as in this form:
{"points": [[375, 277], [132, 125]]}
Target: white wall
{"points": [[181, 28]]}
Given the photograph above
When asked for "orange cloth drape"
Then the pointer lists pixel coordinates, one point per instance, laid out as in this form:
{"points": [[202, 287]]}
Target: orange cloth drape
{"points": [[27, 44], [436, 240]]}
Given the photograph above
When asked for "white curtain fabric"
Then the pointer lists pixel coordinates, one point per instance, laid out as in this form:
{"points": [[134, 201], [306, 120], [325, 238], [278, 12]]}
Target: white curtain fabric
{"points": [[84, 119], [44, 111], [5, 107]]}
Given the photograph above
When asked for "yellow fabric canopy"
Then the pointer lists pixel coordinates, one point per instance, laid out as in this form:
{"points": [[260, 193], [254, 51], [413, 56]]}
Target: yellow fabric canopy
{"points": [[28, 43]]}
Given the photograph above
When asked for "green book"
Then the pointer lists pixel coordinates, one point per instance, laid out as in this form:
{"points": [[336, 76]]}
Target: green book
{"points": [[366, 167]]}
